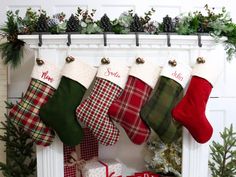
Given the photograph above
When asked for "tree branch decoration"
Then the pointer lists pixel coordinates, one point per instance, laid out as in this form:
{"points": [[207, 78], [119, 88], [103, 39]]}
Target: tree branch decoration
{"points": [[20, 151], [215, 24], [223, 155]]}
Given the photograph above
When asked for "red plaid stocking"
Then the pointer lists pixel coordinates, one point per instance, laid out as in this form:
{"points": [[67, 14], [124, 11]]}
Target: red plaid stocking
{"points": [[126, 108], [93, 111], [25, 114]]}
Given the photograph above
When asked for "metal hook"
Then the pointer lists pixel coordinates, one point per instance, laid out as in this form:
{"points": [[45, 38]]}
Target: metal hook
{"points": [[137, 39], [68, 39], [140, 60], [39, 61], [105, 60], [200, 60], [199, 40], [70, 59], [168, 39], [172, 63], [40, 40], [105, 38]]}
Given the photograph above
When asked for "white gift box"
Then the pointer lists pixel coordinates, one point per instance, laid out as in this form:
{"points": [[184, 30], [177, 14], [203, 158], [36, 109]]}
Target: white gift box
{"points": [[102, 168]]}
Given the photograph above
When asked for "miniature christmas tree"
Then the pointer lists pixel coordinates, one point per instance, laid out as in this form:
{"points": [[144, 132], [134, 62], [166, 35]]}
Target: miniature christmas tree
{"points": [[21, 161], [105, 23], [223, 156], [72, 24], [136, 25], [42, 24]]}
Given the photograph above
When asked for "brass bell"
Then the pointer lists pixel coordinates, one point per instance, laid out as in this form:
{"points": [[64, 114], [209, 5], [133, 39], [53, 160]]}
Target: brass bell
{"points": [[172, 63], [39, 61], [140, 60], [200, 60], [69, 59], [105, 60]]}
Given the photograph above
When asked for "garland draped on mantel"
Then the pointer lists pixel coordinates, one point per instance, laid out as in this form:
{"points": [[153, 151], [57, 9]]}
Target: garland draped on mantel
{"points": [[214, 24]]}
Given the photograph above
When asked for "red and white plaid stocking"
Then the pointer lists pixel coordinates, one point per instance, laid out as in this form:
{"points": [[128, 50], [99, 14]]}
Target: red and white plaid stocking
{"points": [[25, 114], [125, 110], [92, 112]]}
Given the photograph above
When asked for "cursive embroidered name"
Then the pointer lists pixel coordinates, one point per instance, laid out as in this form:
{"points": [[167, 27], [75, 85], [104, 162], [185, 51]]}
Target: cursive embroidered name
{"points": [[108, 72], [177, 76], [47, 77]]}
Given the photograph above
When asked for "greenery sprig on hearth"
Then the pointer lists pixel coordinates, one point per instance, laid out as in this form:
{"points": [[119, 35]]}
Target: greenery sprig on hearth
{"points": [[223, 155], [83, 22], [20, 150]]}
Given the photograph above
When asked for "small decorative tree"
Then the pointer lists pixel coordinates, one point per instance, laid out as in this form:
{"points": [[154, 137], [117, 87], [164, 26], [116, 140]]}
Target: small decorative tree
{"points": [[21, 161], [223, 156]]}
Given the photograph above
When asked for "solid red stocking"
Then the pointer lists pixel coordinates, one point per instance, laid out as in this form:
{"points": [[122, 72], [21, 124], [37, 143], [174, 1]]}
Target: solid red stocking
{"points": [[191, 110]]}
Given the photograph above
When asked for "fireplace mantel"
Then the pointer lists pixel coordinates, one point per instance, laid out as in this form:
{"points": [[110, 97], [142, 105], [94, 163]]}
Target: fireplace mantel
{"points": [[50, 159]]}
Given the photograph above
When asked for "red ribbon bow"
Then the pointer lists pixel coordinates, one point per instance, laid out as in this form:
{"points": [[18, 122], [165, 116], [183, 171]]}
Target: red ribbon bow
{"points": [[107, 169]]}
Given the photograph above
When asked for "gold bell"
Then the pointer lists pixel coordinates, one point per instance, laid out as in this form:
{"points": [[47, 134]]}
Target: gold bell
{"points": [[39, 61], [69, 59], [200, 60], [140, 60], [105, 60], [172, 63]]}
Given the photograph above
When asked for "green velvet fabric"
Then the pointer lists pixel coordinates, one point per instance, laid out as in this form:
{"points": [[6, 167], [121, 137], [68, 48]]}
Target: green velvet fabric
{"points": [[59, 112]]}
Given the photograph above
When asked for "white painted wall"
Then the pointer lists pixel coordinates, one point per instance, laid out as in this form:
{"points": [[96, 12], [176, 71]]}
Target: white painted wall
{"points": [[221, 108]]}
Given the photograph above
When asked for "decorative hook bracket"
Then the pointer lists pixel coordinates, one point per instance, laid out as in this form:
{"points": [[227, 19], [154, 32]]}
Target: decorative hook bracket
{"points": [[40, 43], [68, 39], [199, 40], [136, 39], [168, 39], [105, 39]]}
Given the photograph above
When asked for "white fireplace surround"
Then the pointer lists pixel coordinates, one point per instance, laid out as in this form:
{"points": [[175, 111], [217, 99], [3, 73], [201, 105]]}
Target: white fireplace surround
{"points": [[122, 47]]}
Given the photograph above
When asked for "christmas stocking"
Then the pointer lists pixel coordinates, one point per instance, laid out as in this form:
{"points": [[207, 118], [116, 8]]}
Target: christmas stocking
{"points": [[156, 112], [59, 112], [191, 110], [125, 110], [25, 114], [109, 83]]}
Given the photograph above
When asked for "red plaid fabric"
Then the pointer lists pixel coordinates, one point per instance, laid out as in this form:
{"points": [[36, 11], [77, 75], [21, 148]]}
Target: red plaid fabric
{"points": [[93, 111], [25, 114], [69, 171], [88, 150], [126, 109]]}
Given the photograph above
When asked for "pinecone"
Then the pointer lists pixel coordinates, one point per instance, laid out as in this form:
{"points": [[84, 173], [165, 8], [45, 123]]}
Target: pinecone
{"points": [[136, 25], [72, 24], [105, 23], [167, 24], [42, 24]]}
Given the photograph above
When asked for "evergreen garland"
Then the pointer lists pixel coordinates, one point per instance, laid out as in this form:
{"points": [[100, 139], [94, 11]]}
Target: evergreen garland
{"points": [[21, 161], [215, 24], [223, 155]]}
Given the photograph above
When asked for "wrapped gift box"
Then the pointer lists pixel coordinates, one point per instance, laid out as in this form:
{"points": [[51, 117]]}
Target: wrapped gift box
{"points": [[102, 168]]}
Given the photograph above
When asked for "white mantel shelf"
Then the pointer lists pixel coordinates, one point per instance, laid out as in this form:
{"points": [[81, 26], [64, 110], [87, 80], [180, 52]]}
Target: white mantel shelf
{"points": [[118, 41]]}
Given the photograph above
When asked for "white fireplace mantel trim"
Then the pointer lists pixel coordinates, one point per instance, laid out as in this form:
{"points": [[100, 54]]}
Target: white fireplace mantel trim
{"points": [[50, 159], [119, 41]]}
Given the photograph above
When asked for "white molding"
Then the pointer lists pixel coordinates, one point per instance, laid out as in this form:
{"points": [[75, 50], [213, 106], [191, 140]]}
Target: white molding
{"points": [[50, 159], [119, 41]]}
